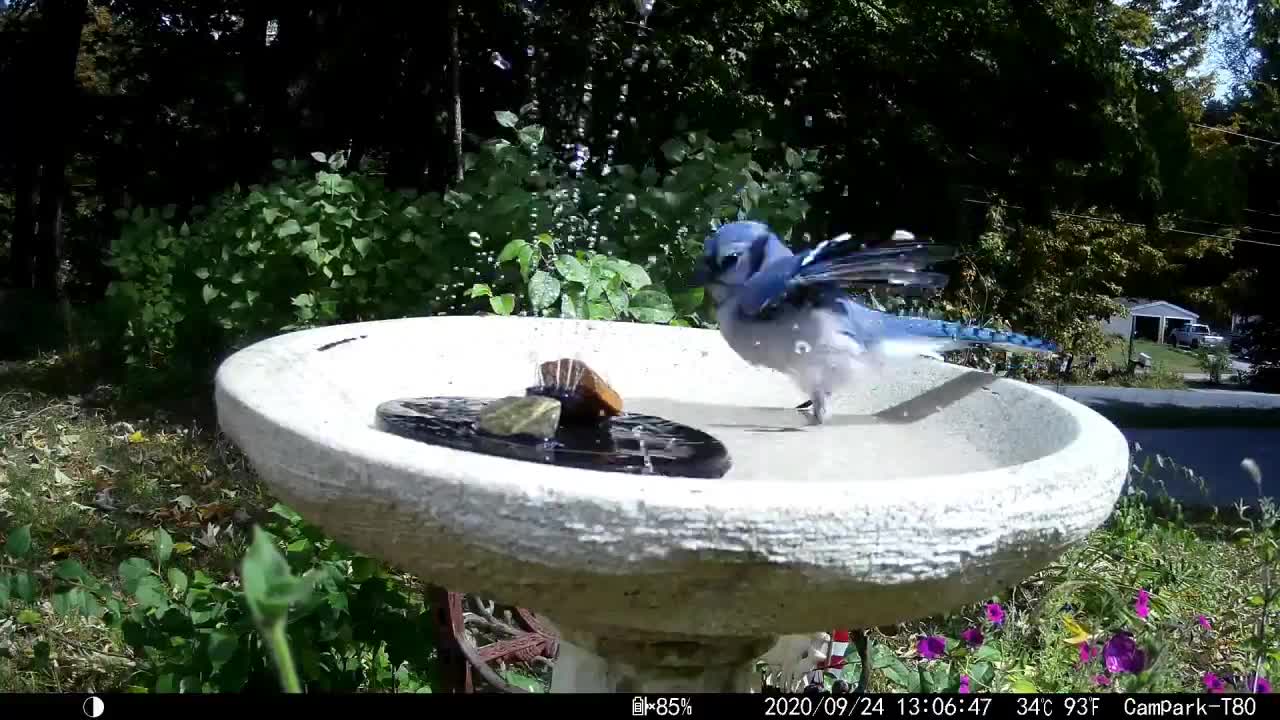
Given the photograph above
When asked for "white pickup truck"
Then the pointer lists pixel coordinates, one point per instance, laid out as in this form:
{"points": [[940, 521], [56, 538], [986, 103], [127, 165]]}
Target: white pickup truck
{"points": [[1194, 335]]}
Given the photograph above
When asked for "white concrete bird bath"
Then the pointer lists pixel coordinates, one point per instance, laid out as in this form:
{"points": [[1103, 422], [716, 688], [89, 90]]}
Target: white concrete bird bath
{"points": [[931, 488]]}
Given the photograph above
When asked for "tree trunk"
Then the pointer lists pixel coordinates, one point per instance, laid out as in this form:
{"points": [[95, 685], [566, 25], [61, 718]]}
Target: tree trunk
{"points": [[22, 248], [455, 88], [64, 21]]}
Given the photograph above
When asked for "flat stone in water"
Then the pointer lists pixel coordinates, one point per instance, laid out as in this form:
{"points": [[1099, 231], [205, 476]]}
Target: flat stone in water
{"points": [[627, 443]]}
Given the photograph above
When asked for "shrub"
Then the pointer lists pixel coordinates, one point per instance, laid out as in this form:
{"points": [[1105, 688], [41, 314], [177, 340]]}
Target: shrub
{"points": [[522, 230]]}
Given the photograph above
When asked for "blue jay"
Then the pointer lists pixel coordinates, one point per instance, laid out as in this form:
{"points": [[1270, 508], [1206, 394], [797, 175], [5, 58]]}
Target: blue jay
{"points": [[789, 311]]}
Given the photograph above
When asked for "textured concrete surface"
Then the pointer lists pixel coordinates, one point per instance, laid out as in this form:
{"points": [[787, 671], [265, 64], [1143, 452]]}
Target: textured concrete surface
{"points": [[871, 537]]}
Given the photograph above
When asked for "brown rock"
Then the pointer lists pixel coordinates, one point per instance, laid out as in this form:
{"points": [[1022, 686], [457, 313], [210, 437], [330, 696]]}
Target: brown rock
{"points": [[569, 378]]}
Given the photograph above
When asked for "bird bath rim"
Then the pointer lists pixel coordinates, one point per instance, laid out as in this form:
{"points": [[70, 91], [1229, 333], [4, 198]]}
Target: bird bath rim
{"points": [[678, 490], [612, 550]]}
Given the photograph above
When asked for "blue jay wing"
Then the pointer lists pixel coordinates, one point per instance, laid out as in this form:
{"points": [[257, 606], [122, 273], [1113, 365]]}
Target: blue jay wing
{"points": [[838, 261], [812, 276]]}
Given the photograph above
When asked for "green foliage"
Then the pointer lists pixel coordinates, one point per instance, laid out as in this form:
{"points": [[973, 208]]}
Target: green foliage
{"points": [[325, 618], [1056, 282], [521, 231]]}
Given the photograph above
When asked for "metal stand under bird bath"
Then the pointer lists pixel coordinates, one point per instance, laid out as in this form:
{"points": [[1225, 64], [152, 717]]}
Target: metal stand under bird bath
{"points": [[929, 488]]}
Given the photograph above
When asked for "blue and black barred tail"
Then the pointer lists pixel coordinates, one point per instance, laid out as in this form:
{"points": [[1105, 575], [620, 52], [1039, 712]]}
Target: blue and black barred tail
{"points": [[908, 334]]}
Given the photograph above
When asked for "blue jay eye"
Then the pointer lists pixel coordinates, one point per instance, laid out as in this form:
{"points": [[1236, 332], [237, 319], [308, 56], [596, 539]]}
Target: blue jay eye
{"points": [[727, 262]]}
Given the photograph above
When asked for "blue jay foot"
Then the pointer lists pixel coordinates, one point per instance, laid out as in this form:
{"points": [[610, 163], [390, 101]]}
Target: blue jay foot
{"points": [[816, 408]]}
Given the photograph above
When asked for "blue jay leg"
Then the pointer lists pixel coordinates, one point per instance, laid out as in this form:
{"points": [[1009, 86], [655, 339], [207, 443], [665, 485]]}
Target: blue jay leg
{"points": [[819, 407]]}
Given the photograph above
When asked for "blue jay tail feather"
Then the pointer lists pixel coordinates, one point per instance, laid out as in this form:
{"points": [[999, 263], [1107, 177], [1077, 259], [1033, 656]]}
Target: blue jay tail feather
{"points": [[946, 335]]}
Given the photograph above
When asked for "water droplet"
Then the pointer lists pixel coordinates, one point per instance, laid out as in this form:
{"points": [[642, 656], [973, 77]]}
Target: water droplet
{"points": [[529, 51], [496, 58], [808, 121], [630, 201], [644, 7], [802, 347]]}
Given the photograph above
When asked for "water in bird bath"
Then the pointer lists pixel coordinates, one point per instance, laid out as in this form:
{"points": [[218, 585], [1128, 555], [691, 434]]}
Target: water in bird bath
{"points": [[636, 443]]}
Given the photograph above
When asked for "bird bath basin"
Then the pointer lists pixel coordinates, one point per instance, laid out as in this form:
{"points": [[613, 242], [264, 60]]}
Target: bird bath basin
{"points": [[931, 487]]}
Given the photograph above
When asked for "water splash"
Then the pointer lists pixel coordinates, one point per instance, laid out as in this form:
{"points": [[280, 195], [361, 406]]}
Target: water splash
{"points": [[498, 61]]}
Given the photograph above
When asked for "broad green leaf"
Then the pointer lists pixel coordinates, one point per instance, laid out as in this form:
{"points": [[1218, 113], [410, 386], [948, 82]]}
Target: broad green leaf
{"points": [[480, 290], [793, 159], [511, 250], [319, 156], [69, 602], [209, 292], [675, 150], [178, 581], [4, 590], [572, 269], [22, 587], [634, 275], [987, 653], [688, 302], [270, 215], [543, 290], [183, 548], [161, 546], [28, 617], [269, 585], [618, 298], [525, 258], [222, 646], [305, 300], [568, 309], [287, 228], [202, 273], [600, 311], [151, 593], [531, 135], [70, 570], [132, 572], [651, 306], [361, 244], [1023, 685], [506, 118], [19, 542], [504, 304]]}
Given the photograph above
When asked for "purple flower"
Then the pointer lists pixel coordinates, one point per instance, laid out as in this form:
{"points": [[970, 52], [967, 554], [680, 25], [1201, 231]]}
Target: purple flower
{"points": [[995, 614], [1214, 684], [1088, 652], [1101, 680], [1142, 605], [1258, 684], [1121, 654], [1204, 622], [932, 647], [964, 684], [972, 637]]}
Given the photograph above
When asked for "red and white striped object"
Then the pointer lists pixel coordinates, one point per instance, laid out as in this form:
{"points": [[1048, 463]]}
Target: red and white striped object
{"points": [[839, 646]]}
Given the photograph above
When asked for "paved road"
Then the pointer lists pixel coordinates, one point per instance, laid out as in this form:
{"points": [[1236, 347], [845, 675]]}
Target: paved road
{"points": [[1215, 455], [1209, 431]]}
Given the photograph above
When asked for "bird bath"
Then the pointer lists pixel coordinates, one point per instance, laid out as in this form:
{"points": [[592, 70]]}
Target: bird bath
{"points": [[930, 488]]}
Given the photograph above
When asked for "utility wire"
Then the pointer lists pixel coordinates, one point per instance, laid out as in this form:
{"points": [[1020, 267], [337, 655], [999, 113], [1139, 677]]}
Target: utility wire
{"points": [[1132, 224]]}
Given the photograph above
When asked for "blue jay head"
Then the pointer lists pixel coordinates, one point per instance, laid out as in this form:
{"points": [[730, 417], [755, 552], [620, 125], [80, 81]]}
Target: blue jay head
{"points": [[734, 253]]}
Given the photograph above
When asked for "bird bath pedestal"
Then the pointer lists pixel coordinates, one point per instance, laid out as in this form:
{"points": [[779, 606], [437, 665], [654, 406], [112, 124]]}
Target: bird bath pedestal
{"points": [[931, 487]]}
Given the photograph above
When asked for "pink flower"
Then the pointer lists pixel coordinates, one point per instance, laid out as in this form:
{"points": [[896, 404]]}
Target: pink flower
{"points": [[1143, 604], [972, 637], [995, 614], [964, 684], [1213, 683], [1259, 684], [1088, 652], [1204, 622], [1101, 680], [932, 647]]}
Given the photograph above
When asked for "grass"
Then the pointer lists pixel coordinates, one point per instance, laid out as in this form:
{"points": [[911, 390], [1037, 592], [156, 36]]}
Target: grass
{"points": [[1164, 357], [97, 484]]}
